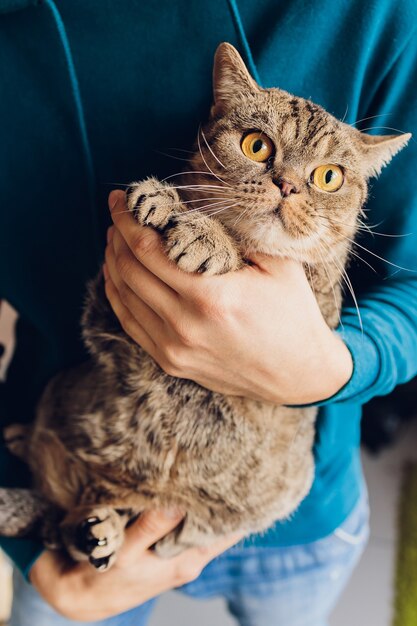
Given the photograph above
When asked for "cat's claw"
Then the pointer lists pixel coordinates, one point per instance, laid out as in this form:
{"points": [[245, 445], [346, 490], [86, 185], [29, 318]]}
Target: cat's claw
{"points": [[85, 540], [101, 564]]}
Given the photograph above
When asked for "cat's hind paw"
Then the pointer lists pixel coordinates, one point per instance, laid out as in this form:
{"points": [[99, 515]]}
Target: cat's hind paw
{"points": [[97, 537]]}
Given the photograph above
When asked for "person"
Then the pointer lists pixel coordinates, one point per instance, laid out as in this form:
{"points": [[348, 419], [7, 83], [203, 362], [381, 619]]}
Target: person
{"points": [[92, 94]]}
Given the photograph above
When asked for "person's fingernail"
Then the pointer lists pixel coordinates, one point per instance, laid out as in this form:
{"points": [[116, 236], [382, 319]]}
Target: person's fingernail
{"points": [[105, 271], [173, 513], [110, 234]]}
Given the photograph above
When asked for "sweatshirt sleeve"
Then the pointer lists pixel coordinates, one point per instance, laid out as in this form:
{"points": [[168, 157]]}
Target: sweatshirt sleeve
{"points": [[383, 343]]}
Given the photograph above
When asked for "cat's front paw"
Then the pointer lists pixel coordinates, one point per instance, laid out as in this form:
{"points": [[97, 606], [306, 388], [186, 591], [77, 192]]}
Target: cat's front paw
{"points": [[97, 537], [152, 203], [199, 244]]}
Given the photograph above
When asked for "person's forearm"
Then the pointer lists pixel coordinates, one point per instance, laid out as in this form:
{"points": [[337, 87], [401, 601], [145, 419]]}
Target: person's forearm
{"points": [[326, 369], [385, 351]]}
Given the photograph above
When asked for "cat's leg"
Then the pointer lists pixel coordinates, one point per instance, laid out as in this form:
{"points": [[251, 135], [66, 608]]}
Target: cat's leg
{"points": [[95, 534], [199, 244], [188, 534], [195, 242], [24, 513]]}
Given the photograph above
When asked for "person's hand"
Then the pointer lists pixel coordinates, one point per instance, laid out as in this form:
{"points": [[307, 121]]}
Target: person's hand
{"points": [[80, 593], [257, 332]]}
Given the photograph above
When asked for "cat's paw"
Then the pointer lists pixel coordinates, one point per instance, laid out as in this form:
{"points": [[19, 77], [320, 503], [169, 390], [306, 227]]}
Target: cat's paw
{"points": [[152, 203], [97, 537], [200, 244]]}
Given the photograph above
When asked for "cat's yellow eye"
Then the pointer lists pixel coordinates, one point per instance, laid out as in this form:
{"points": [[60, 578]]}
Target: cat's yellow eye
{"points": [[257, 147], [328, 177]]}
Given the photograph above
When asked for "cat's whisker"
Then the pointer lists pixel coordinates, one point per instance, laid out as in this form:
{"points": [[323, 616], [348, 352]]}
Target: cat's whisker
{"points": [[240, 217], [201, 186], [347, 281], [349, 285], [397, 130], [205, 199], [121, 212], [364, 227], [182, 150], [371, 117], [358, 256], [350, 224], [355, 254], [204, 208], [189, 172], [174, 204], [369, 228], [201, 200], [211, 150], [227, 199], [230, 206], [206, 211], [346, 112], [300, 240], [171, 156], [204, 159], [380, 258], [304, 249], [325, 267]]}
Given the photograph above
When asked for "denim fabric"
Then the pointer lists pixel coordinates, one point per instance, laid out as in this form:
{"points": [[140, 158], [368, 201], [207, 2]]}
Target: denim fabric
{"points": [[291, 586]]}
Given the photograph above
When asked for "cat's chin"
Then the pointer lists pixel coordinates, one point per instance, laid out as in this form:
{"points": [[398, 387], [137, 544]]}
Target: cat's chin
{"points": [[283, 253], [277, 242]]}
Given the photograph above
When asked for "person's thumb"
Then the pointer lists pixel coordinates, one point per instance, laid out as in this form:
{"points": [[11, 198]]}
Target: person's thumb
{"points": [[273, 264], [146, 530]]}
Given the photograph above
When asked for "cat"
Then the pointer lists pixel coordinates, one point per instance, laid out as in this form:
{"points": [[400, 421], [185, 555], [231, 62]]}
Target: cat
{"points": [[270, 173]]}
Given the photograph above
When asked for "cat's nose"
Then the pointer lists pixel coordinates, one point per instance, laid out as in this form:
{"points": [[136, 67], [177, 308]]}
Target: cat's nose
{"points": [[285, 186]]}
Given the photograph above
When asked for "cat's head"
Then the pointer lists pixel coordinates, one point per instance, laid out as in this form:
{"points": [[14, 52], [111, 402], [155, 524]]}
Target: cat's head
{"points": [[284, 175]]}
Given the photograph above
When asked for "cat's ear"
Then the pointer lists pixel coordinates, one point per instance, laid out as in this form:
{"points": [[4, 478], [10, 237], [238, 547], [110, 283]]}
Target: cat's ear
{"points": [[378, 150], [230, 77]]}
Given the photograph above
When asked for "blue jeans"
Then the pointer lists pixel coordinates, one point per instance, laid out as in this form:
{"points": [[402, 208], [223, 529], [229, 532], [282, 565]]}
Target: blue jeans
{"points": [[290, 586]]}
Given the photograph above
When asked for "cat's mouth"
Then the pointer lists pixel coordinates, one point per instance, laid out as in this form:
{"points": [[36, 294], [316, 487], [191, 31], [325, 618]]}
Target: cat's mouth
{"points": [[278, 215]]}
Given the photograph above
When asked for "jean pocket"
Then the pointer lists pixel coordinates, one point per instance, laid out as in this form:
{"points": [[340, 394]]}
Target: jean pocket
{"points": [[349, 539], [355, 529]]}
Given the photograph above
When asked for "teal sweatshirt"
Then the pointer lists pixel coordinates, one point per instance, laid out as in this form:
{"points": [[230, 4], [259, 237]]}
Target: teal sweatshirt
{"points": [[93, 91]]}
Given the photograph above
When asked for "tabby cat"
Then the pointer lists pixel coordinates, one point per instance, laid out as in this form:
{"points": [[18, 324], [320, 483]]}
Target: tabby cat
{"points": [[271, 173]]}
